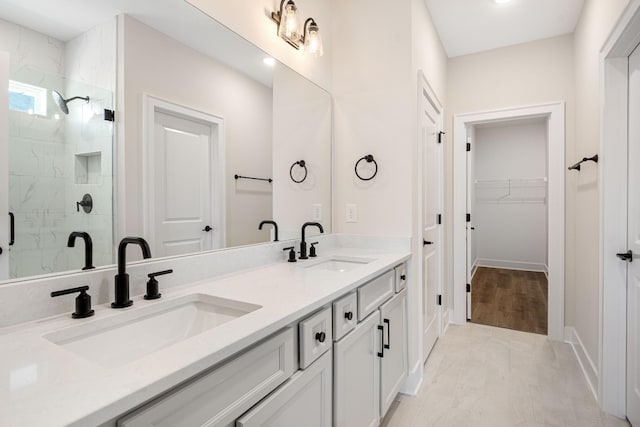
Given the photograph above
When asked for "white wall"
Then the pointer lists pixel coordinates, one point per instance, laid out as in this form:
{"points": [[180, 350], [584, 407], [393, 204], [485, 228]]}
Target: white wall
{"points": [[583, 302], [158, 65], [527, 74], [510, 219], [301, 128]]}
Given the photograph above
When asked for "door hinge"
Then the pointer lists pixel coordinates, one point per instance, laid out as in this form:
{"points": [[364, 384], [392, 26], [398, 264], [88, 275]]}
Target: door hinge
{"points": [[109, 115], [440, 134], [439, 219], [468, 217], [468, 287], [468, 146], [439, 300]]}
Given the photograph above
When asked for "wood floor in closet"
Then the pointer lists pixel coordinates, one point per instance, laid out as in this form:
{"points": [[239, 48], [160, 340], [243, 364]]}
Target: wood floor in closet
{"points": [[510, 299]]}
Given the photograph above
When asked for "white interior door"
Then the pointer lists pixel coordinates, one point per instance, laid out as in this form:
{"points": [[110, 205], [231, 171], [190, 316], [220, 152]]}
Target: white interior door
{"points": [[4, 165], [184, 167], [431, 229], [633, 229]]}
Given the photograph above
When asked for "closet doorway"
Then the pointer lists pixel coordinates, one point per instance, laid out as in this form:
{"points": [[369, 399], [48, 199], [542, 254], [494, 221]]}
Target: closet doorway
{"points": [[507, 205], [507, 227]]}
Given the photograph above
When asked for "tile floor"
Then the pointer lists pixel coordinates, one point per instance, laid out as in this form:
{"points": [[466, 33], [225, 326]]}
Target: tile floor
{"points": [[485, 376]]}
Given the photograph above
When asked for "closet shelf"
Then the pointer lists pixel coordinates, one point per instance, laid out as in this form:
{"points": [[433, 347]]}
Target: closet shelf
{"points": [[511, 190]]}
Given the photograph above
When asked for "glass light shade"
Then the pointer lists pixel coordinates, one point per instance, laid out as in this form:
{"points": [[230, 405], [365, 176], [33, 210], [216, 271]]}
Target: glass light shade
{"points": [[289, 27], [313, 42]]}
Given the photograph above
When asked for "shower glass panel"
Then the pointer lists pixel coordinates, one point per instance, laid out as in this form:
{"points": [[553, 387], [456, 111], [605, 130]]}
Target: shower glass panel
{"points": [[54, 160]]}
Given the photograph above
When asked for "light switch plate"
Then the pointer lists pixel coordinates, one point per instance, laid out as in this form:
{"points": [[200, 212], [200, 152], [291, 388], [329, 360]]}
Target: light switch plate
{"points": [[352, 213], [316, 213]]}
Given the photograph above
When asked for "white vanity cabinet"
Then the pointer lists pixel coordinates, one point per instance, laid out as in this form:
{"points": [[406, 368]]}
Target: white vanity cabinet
{"points": [[219, 397], [370, 363], [304, 400]]}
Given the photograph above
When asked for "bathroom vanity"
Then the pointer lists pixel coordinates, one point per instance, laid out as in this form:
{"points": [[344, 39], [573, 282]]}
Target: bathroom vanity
{"points": [[268, 345]]}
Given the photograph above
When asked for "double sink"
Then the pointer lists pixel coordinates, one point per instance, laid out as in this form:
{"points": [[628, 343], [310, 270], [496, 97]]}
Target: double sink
{"points": [[118, 340]]}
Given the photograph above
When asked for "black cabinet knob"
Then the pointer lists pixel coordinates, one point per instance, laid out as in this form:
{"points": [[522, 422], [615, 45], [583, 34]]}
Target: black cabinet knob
{"points": [[321, 336], [403, 277], [207, 228], [348, 315]]}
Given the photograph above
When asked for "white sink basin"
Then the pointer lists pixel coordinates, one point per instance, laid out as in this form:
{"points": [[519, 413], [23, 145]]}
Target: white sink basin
{"points": [[340, 264], [121, 339]]}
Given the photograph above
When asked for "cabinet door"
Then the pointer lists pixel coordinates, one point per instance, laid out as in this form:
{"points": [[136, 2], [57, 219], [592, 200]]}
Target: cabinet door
{"points": [[356, 375], [219, 397], [305, 396], [393, 366]]}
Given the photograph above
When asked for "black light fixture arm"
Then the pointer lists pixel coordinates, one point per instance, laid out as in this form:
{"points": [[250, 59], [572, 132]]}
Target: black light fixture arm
{"points": [[309, 21], [584, 159]]}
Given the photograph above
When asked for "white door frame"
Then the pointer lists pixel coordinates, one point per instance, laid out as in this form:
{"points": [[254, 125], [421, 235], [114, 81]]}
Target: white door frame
{"points": [[556, 207], [152, 105], [4, 165], [614, 77]]}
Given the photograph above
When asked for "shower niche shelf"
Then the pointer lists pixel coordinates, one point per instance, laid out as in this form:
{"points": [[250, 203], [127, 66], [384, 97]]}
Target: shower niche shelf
{"points": [[88, 168]]}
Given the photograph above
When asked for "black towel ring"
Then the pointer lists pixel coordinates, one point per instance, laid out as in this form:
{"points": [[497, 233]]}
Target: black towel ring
{"points": [[369, 158], [303, 165]]}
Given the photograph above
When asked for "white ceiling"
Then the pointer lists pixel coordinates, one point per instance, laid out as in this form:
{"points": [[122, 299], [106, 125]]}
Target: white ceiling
{"points": [[470, 26], [66, 19]]}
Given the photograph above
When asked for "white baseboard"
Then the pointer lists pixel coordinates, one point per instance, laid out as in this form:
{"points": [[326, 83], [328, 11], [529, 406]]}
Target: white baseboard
{"points": [[511, 265], [474, 268], [589, 370], [412, 384], [445, 321]]}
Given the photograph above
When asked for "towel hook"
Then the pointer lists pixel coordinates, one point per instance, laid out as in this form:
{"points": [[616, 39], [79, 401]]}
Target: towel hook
{"points": [[369, 159], [303, 165]]}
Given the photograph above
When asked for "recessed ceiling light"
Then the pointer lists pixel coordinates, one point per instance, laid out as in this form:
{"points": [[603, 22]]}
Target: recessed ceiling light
{"points": [[501, 1], [269, 61]]}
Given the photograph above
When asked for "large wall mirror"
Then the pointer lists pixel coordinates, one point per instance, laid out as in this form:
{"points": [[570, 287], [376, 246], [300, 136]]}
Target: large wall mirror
{"points": [[207, 140]]}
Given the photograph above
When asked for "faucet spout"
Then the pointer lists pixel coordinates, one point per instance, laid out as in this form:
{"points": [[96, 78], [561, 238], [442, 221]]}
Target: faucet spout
{"points": [[275, 228], [303, 243], [122, 278], [88, 247]]}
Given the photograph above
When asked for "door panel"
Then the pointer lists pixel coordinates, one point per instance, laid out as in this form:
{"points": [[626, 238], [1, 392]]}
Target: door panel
{"points": [[183, 198], [357, 376], [431, 232], [393, 369], [4, 166], [633, 224]]}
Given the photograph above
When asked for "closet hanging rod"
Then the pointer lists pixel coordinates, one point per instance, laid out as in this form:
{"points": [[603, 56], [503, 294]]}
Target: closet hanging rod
{"points": [[584, 159], [251, 177]]}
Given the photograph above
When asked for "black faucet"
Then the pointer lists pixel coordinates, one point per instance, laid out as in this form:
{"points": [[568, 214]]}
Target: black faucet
{"points": [[88, 247], [275, 227], [122, 278], [303, 244]]}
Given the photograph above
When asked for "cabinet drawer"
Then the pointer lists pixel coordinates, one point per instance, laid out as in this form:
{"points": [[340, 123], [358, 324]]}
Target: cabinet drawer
{"points": [[315, 337], [222, 395], [374, 293], [345, 315], [307, 396], [401, 277]]}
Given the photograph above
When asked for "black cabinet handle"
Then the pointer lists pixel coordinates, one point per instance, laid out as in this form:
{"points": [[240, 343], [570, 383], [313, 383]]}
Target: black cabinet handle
{"points": [[403, 277], [626, 256], [381, 329], [321, 336], [207, 228], [426, 242], [348, 315], [388, 344], [12, 229]]}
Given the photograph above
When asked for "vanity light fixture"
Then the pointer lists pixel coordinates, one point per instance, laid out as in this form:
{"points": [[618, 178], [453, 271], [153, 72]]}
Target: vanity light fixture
{"points": [[288, 29]]}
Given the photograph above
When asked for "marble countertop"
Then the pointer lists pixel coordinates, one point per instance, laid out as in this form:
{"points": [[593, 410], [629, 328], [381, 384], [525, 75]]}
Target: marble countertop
{"points": [[42, 383]]}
